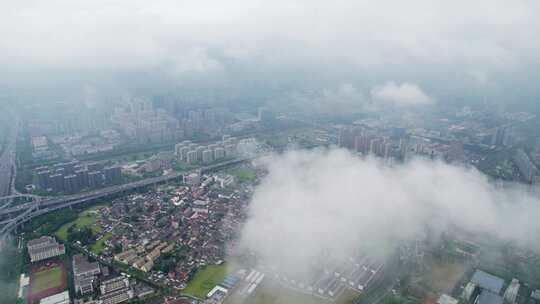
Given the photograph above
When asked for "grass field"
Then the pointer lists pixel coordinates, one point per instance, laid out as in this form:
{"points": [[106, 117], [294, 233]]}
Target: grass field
{"points": [[243, 175], [283, 297], [205, 280], [46, 279], [271, 293], [444, 275], [86, 218], [98, 247]]}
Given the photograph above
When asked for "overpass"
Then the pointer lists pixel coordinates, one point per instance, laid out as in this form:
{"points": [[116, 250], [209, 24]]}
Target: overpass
{"points": [[30, 210], [19, 195]]}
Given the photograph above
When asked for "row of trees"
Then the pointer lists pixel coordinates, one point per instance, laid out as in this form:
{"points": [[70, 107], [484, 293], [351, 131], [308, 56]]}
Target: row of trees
{"points": [[10, 268], [84, 235], [168, 261], [49, 223]]}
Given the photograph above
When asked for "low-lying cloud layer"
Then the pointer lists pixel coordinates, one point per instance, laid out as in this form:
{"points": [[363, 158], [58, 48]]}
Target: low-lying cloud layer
{"points": [[334, 202], [404, 94], [347, 98], [137, 33], [396, 39], [458, 51]]}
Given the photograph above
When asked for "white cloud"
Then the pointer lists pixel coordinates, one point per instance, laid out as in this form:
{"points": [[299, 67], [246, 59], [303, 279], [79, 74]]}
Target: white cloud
{"points": [[332, 201], [345, 98], [360, 34], [404, 94], [194, 60]]}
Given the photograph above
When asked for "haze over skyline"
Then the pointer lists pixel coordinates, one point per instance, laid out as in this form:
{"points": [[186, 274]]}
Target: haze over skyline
{"points": [[454, 50], [270, 152]]}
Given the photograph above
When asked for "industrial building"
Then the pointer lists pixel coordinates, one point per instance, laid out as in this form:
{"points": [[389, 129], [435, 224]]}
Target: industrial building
{"points": [[487, 281], [116, 297], [59, 298], [488, 297], [484, 288], [43, 248], [115, 290], [114, 284], [84, 274]]}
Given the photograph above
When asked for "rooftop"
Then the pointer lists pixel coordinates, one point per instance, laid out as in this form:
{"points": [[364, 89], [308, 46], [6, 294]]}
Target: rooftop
{"points": [[41, 241], [57, 298], [487, 281], [446, 299], [488, 297], [81, 264]]}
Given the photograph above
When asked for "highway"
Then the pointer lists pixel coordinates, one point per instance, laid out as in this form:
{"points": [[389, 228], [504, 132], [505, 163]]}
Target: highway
{"points": [[7, 164], [38, 207]]}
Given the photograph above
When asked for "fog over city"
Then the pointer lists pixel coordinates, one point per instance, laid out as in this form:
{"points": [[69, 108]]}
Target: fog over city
{"points": [[270, 152], [330, 202], [457, 49]]}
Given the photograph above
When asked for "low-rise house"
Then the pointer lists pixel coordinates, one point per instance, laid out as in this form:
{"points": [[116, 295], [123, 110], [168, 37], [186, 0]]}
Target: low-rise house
{"points": [[148, 266], [139, 263], [121, 257], [152, 256]]}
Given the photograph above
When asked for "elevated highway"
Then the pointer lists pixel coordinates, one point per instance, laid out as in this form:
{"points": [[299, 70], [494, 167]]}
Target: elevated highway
{"points": [[22, 213]]}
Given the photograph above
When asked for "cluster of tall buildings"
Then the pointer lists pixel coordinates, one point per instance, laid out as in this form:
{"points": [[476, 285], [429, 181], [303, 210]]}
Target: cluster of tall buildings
{"points": [[159, 161], [210, 121], [72, 177], [526, 167], [503, 136], [396, 144], [360, 140], [138, 119], [193, 153], [72, 120]]}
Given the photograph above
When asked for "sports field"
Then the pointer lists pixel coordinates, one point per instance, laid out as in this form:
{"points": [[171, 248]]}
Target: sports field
{"points": [[205, 280], [46, 280]]}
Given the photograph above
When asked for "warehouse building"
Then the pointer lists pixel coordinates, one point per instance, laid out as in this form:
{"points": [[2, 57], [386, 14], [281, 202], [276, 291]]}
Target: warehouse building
{"points": [[43, 248]]}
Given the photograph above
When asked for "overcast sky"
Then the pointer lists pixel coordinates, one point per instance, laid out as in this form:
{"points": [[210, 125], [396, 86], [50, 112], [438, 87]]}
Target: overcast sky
{"points": [[425, 44]]}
